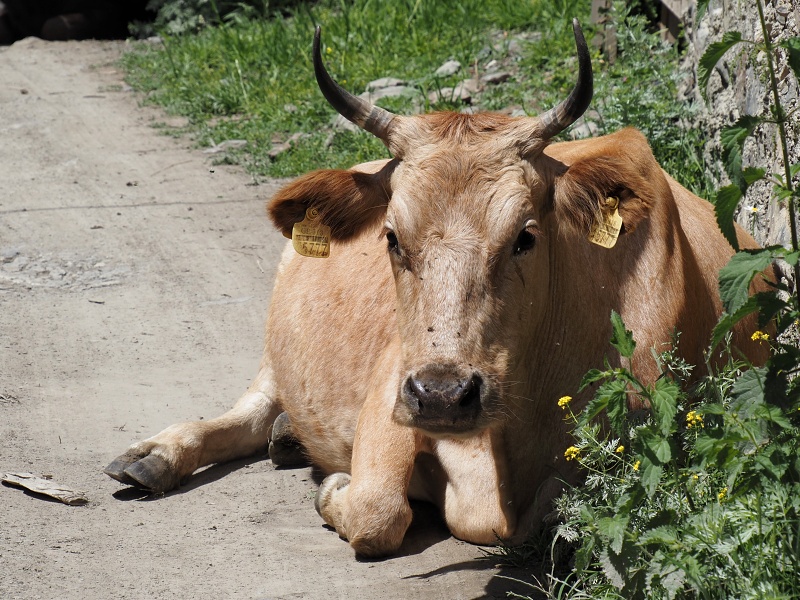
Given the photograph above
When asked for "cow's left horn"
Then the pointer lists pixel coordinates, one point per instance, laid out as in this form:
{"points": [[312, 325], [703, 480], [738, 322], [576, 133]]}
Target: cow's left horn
{"points": [[357, 110], [557, 119]]}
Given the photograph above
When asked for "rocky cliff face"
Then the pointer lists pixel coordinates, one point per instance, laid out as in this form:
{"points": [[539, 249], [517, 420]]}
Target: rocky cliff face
{"points": [[739, 87]]}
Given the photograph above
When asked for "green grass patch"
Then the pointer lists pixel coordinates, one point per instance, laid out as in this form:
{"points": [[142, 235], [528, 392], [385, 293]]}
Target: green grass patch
{"points": [[251, 78]]}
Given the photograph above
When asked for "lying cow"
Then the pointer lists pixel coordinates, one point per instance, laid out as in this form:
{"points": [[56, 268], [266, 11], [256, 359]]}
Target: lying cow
{"points": [[462, 297]]}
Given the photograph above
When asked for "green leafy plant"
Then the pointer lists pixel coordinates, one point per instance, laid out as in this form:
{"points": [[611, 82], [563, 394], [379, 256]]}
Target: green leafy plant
{"points": [[699, 496]]}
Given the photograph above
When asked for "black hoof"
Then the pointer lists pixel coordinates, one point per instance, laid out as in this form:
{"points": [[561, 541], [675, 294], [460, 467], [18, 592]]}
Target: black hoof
{"points": [[153, 473], [284, 449], [116, 470], [150, 472]]}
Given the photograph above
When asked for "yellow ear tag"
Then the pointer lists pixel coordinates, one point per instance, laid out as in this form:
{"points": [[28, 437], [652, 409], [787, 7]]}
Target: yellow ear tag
{"points": [[605, 230], [310, 237]]}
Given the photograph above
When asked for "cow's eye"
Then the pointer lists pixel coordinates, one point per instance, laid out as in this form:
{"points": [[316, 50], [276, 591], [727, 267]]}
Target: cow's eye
{"points": [[525, 241], [391, 242]]}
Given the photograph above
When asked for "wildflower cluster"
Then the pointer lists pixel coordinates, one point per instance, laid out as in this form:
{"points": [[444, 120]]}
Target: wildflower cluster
{"points": [[759, 336], [693, 419]]}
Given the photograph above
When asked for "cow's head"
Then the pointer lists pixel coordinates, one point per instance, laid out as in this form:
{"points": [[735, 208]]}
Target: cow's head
{"points": [[469, 208]]}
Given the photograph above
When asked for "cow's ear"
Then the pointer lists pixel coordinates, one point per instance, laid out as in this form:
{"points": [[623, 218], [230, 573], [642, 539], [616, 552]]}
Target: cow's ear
{"points": [[618, 166], [347, 200]]}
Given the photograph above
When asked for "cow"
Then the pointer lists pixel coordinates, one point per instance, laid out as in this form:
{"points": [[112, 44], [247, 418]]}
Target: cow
{"points": [[461, 298]]}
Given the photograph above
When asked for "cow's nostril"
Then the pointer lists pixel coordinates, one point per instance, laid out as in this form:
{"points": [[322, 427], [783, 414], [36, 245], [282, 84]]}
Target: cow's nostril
{"points": [[471, 393]]}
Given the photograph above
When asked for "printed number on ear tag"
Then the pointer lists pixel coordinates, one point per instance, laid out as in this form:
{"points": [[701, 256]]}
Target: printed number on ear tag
{"points": [[310, 237], [605, 230]]}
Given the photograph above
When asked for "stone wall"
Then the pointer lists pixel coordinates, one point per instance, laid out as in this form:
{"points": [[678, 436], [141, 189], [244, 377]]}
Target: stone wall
{"points": [[738, 87]]}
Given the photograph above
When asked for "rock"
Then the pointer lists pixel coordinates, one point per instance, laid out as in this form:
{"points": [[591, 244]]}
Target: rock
{"points": [[519, 112], [495, 78], [224, 146], [470, 85], [280, 147], [8, 254], [289, 108], [384, 82], [451, 67], [389, 92], [461, 93], [343, 124], [583, 129]]}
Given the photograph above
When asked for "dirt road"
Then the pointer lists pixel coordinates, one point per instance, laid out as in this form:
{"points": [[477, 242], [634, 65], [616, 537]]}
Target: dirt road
{"points": [[134, 277]]}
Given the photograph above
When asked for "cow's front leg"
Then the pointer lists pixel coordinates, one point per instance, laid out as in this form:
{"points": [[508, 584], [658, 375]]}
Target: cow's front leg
{"points": [[162, 462], [370, 508]]}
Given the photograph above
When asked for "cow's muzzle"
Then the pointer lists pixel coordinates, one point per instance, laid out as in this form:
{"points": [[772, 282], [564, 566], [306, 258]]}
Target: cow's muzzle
{"points": [[438, 399]]}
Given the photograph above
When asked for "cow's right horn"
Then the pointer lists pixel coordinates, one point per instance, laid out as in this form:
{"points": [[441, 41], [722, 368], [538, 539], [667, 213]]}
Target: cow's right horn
{"points": [[558, 118], [367, 116]]}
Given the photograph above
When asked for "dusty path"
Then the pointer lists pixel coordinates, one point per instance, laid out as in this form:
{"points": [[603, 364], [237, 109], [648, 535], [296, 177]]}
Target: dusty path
{"points": [[134, 277]]}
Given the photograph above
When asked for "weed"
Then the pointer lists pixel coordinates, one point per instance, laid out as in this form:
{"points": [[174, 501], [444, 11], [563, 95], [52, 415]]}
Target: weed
{"points": [[701, 499]]}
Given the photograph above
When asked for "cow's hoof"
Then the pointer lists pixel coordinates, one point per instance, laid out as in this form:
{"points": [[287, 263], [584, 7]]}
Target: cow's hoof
{"points": [[330, 485], [150, 472], [116, 470], [284, 449]]}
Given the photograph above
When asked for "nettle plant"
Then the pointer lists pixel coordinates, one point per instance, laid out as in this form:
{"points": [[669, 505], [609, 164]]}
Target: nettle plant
{"points": [[699, 496]]}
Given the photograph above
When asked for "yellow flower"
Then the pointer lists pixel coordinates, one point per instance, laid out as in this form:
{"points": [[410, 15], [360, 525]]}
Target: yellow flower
{"points": [[693, 419], [620, 449], [329, 50], [571, 453], [636, 465], [564, 401], [695, 477], [722, 493], [759, 336]]}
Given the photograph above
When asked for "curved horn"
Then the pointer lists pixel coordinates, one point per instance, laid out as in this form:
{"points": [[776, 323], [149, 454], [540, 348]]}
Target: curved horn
{"points": [[557, 119], [360, 112]]}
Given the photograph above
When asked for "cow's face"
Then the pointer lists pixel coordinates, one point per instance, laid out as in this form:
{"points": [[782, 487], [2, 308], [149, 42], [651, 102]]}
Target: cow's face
{"points": [[463, 206], [465, 239]]}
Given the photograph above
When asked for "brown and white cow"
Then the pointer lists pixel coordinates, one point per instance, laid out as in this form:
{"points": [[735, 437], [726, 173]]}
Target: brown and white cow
{"points": [[461, 299]]}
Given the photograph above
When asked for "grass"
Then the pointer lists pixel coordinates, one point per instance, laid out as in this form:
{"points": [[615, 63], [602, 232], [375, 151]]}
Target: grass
{"points": [[251, 78]]}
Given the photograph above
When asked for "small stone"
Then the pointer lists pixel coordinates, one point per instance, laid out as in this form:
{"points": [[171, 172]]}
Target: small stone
{"points": [[492, 66], [470, 85], [495, 78], [583, 130], [389, 92], [8, 254], [289, 108], [519, 112], [384, 82], [451, 67], [280, 147], [224, 146]]}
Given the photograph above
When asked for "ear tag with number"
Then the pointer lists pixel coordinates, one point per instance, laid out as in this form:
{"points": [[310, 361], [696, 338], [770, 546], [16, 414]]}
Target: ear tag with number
{"points": [[310, 237], [605, 230]]}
